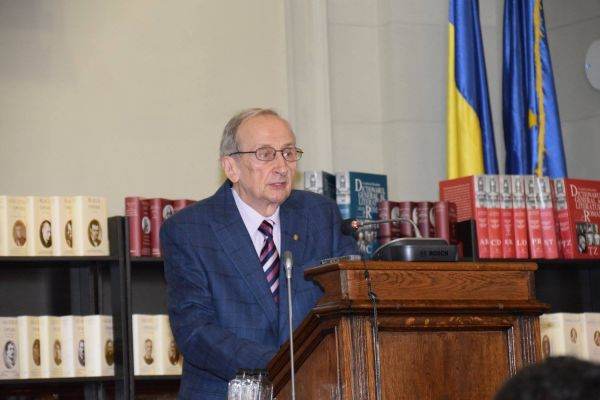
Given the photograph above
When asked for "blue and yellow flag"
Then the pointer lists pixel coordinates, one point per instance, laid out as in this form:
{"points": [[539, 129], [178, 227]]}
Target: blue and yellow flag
{"points": [[532, 132], [471, 148]]}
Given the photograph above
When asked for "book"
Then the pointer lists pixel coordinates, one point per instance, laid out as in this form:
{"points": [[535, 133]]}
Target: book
{"points": [[320, 182], [578, 213], [51, 347], [590, 328], [29, 347], [99, 345], [561, 334], [469, 195], [73, 340], [180, 204], [160, 210], [507, 217], [137, 211], [493, 213], [547, 221], [62, 225], [445, 221], [13, 226], [90, 226], [9, 367], [357, 196], [520, 217], [388, 230], [39, 217], [168, 358], [534, 225], [423, 212], [144, 329]]}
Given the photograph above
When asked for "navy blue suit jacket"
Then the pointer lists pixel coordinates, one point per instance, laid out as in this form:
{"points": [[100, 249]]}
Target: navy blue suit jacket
{"points": [[222, 313]]}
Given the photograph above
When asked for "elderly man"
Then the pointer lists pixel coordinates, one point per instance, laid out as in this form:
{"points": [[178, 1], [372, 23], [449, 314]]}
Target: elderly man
{"points": [[227, 294]]}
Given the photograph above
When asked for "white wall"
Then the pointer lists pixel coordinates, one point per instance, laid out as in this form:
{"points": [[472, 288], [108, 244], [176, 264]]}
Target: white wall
{"points": [[572, 27], [120, 98]]}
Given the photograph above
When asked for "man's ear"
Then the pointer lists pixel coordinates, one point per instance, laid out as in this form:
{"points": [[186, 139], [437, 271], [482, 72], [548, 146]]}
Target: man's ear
{"points": [[230, 168]]}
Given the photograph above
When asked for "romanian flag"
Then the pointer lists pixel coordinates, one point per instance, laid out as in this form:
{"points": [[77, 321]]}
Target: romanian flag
{"points": [[471, 148], [532, 130]]}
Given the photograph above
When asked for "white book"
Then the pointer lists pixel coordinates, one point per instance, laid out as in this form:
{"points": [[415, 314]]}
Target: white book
{"points": [[144, 344], [39, 217], [561, 334], [591, 336], [9, 366], [13, 226], [29, 347], [51, 347], [73, 346], [90, 227], [62, 225], [168, 357], [99, 345]]}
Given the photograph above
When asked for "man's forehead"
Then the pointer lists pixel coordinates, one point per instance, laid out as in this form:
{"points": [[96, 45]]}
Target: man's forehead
{"points": [[263, 129]]}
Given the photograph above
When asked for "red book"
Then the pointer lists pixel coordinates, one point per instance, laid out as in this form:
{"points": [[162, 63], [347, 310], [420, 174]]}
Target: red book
{"points": [[520, 217], [548, 224], [445, 221], [562, 218], [388, 210], [407, 208], [532, 201], [468, 193], [494, 222], [507, 217], [160, 210], [136, 211], [180, 204], [578, 211], [425, 218]]}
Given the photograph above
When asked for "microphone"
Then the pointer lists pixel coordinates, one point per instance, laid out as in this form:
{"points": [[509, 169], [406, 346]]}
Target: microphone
{"points": [[352, 225], [288, 262]]}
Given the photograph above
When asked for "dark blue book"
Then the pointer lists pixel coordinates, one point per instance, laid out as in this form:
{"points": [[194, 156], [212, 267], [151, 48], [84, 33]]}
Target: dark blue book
{"points": [[357, 196]]}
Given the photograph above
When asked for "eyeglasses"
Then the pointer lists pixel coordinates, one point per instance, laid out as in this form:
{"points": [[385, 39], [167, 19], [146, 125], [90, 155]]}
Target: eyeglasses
{"points": [[268, 153]]}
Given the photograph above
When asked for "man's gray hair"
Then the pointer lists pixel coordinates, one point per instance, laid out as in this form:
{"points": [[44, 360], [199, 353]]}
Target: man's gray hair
{"points": [[229, 138]]}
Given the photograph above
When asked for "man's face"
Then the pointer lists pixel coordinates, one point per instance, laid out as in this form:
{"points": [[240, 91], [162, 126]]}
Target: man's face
{"points": [[36, 349], [81, 348], [19, 231], [172, 349], [264, 185], [95, 231], [148, 348], [56, 349], [46, 231], [10, 351]]}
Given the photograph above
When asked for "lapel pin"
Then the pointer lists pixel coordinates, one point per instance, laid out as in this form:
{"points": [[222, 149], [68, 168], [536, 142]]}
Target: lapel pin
{"points": [[295, 237]]}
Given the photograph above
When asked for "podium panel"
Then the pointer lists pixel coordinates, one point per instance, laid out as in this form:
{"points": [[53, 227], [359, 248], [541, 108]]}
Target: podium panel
{"points": [[461, 342]]}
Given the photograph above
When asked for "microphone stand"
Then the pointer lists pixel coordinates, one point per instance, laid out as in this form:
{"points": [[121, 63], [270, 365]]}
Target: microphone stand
{"points": [[288, 262]]}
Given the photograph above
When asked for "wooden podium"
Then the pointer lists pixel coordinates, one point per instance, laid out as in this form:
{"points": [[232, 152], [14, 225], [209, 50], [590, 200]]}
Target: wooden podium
{"points": [[446, 331]]}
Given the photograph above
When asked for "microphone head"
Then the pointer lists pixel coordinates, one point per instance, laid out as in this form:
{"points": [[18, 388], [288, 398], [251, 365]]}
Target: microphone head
{"points": [[288, 261], [350, 226]]}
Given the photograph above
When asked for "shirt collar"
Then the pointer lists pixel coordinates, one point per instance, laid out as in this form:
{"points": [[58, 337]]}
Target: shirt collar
{"points": [[252, 218]]}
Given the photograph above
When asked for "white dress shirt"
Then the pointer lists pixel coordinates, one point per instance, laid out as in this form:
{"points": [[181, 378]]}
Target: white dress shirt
{"points": [[252, 219]]}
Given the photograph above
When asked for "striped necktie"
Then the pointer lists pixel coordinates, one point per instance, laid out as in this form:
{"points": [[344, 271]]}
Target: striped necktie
{"points": [[269, 259]]}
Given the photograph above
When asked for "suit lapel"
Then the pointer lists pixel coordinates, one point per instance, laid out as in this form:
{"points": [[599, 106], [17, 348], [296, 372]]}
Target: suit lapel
{"points": [[294, 229], [233, 235]]}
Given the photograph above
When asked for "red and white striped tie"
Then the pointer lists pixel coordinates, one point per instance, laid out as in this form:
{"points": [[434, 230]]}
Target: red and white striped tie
{"points": [[269, 259]]}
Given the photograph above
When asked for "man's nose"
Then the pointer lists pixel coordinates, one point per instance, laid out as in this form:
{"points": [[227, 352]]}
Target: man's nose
{"points": [[280, 163]]}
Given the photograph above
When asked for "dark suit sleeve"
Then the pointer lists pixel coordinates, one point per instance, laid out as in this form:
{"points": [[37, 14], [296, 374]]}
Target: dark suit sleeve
{"points": [[202, 341]]}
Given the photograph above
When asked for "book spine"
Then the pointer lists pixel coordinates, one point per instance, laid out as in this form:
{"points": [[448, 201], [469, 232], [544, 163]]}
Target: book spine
{"points": [[481, 216], [494, 221], [442, 220], [146, 229], [507, 218], [342, 184], [4, 225], [423, 218], [547, 222], [520, 217], [133, 212], [407, 209], [563, 220], [385, 228], [536, 249]]}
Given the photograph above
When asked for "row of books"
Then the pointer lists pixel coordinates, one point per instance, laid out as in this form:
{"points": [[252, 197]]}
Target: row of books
{"points": [[576, 335], [525, 216], [53, 226], [145, 217], [56, 347], [433, 219], [154, 349]]}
